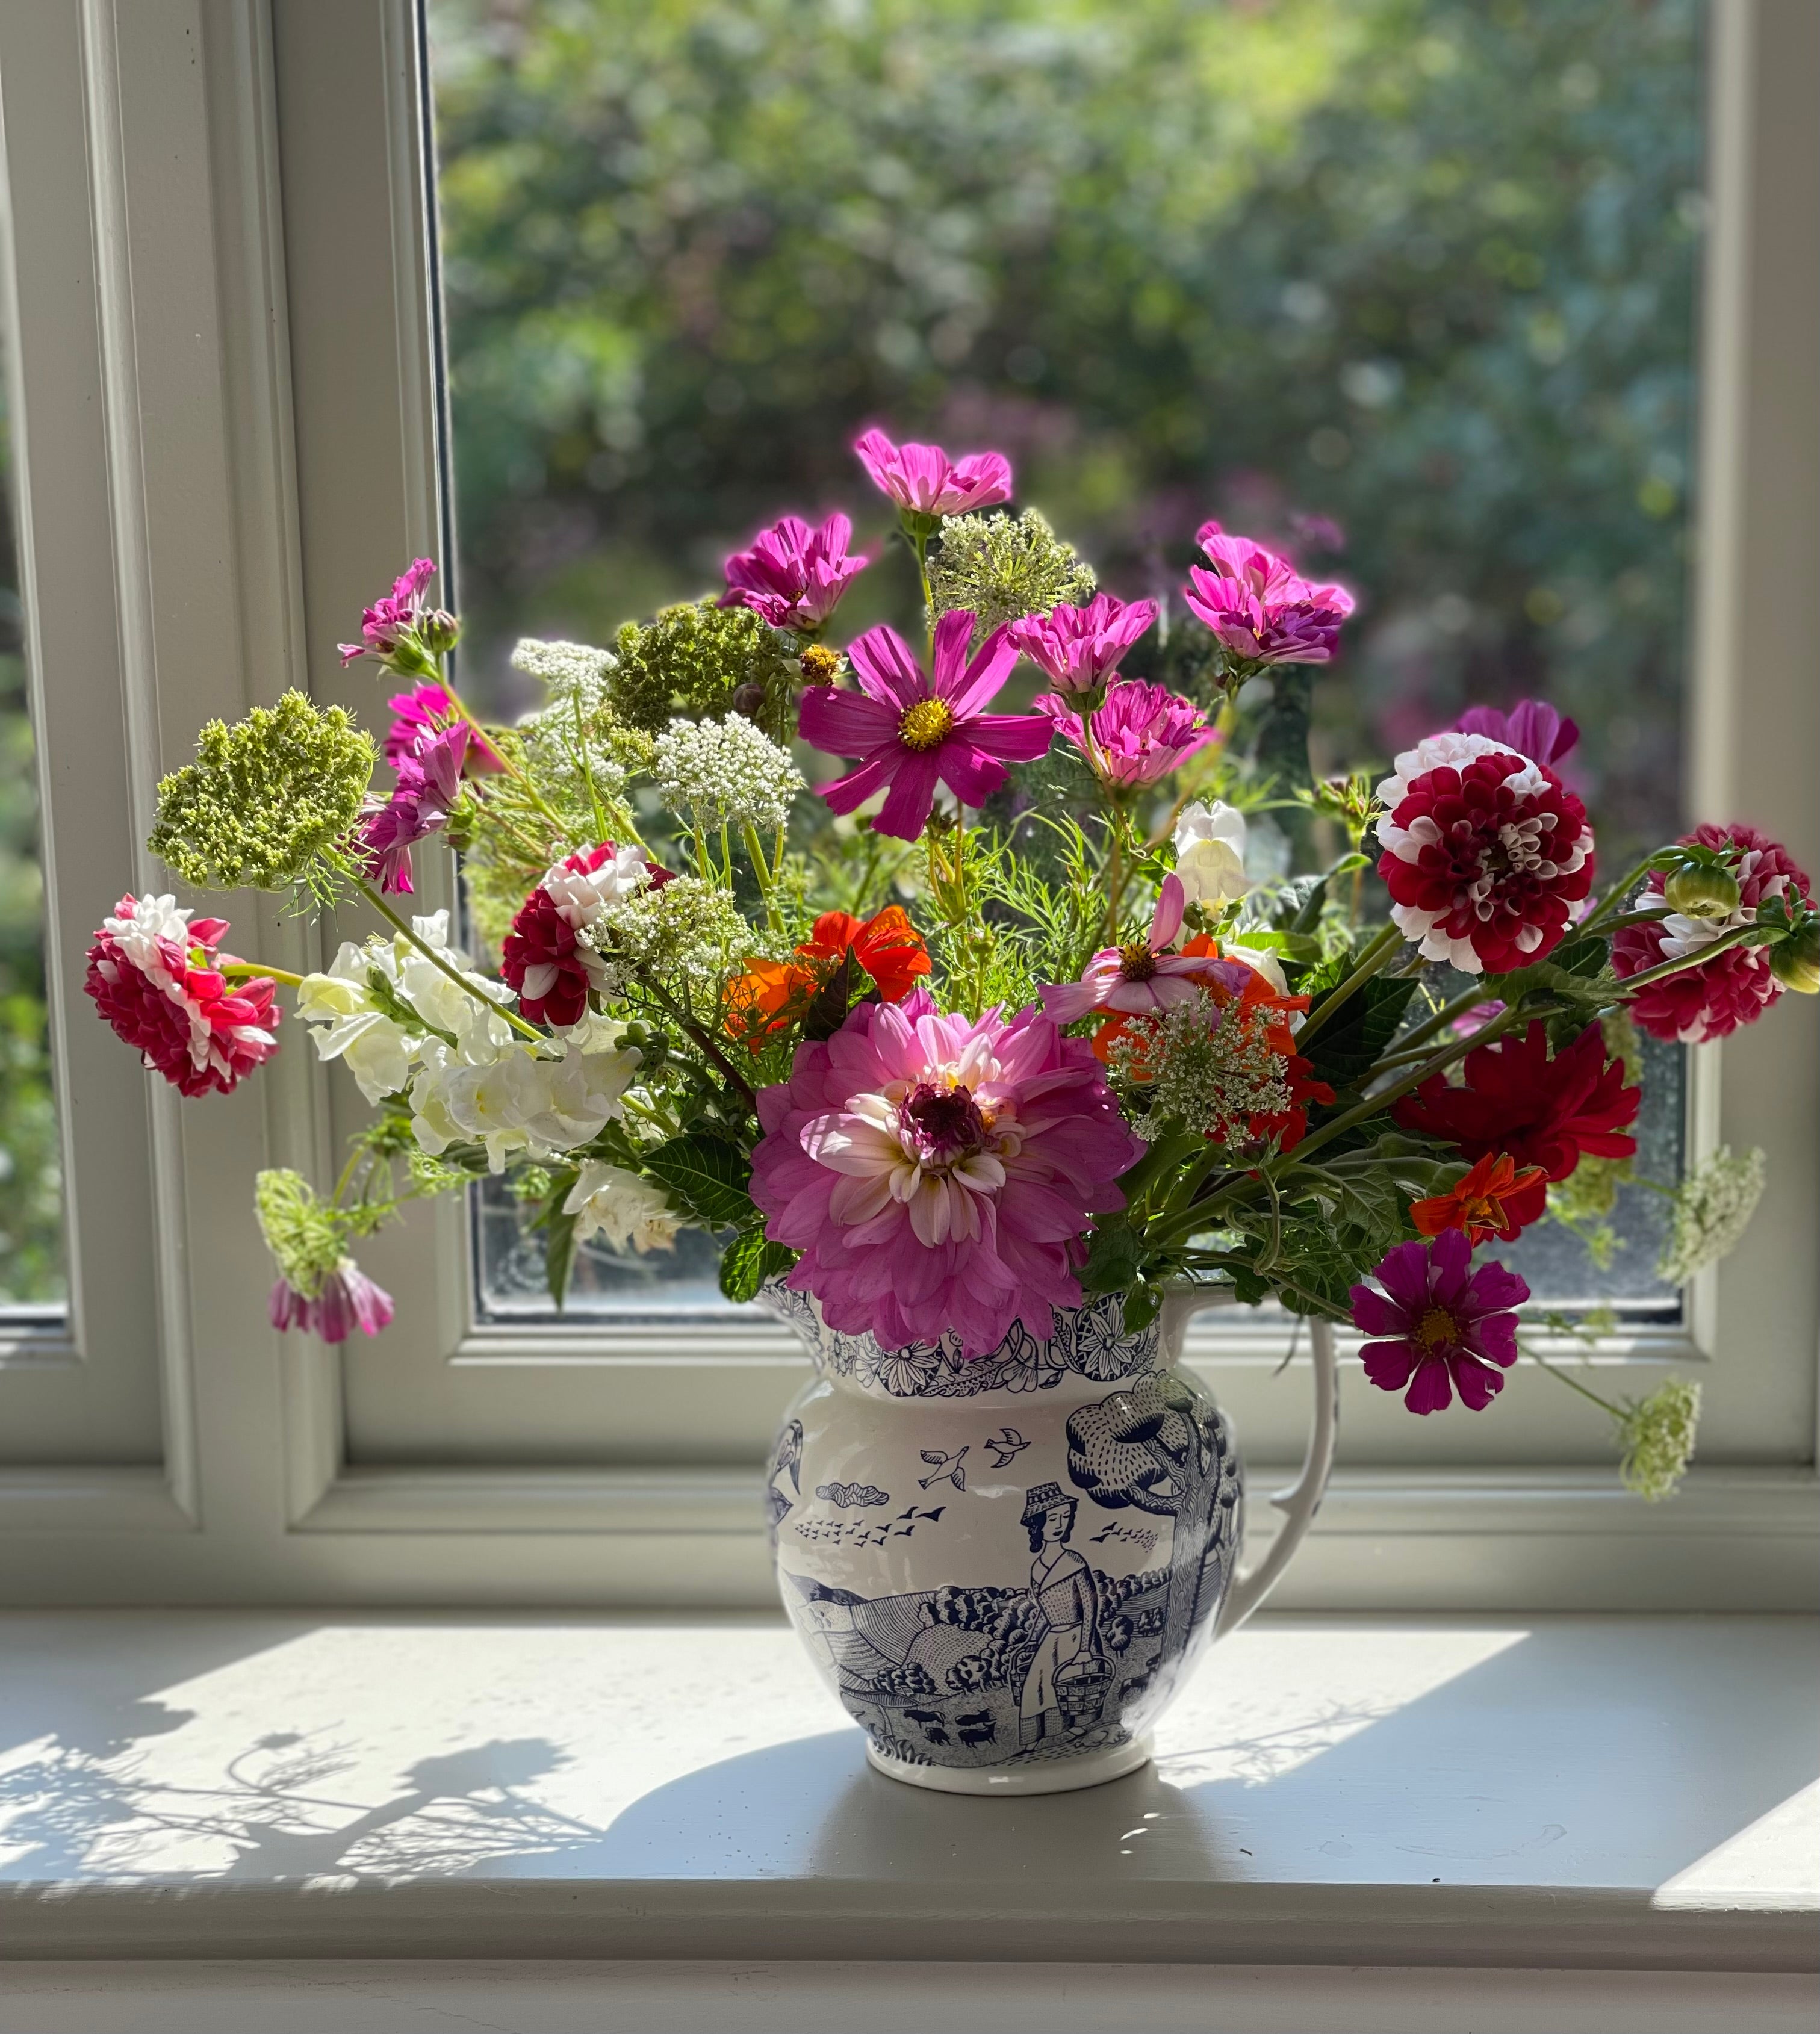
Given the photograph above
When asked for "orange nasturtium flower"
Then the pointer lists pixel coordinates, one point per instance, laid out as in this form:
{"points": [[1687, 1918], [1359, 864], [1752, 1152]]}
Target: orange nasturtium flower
{"points": [[1493, 1199], [773, 994]]}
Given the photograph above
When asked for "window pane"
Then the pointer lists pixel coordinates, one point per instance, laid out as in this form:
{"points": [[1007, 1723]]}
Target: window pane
{"points": [[1404, 286], [31, 1281]]}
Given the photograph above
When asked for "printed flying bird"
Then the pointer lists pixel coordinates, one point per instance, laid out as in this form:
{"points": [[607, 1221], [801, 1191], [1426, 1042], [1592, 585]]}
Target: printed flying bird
{"points": [[1007, 1445], [944, 1468]]}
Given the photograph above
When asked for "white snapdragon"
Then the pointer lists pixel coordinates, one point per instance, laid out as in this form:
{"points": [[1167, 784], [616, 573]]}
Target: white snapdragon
{"points": [[725, 773], [630, 1212], [529, 1101], [1210, 852], [348, 1022]]}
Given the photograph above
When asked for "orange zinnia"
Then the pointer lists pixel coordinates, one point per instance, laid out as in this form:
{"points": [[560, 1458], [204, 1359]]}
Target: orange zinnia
{"points": [[1493, 1199], [771, 995]]}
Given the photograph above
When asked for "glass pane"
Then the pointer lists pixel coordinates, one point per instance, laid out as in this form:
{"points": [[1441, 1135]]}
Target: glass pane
{"points": [[1405, 286], [32, 1280]]}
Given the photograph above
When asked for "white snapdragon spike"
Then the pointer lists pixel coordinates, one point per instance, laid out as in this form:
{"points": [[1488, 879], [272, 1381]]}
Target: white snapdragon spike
{"points": [[725, 773], [524, 1101], [581, 894], [1210, 852], [630, 1212]]}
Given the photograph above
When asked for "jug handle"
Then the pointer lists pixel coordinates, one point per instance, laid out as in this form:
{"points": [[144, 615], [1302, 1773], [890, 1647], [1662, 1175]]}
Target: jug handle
{"points": [[1300, 1502]]}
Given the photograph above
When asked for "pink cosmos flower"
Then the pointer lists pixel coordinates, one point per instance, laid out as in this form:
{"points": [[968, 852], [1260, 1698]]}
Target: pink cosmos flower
{"points": [[1486, 853], [923, 480], [1079, 647], [152, 976], [912, 731], [1447, 1327], [1137, 735], [429, 783], [348, 1299], [421, 714], [1144, 977], [937, 1173], [394, 617], [794, 576], [1260, 606], [1734, 987], [1532, 728]]}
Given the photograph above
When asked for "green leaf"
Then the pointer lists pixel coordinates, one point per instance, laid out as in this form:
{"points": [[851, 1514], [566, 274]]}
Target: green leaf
{"points": [[1111, 1265], [1349, 1048], [558, 1255], [705, 1178], [748, 1261], [1142, 1307]]}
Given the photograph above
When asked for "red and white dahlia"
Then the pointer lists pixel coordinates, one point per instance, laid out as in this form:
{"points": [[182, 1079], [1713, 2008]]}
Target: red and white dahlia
{"points": [[937, 1173], [1485, 853], [1734, 987], [152, 975], [544, 957]]}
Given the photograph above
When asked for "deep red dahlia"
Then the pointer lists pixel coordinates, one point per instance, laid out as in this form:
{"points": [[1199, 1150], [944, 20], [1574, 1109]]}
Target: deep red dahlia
{"points": [[1540, 1111], [152, 977], [1486, 852], [1733, 988], [542, 960]]}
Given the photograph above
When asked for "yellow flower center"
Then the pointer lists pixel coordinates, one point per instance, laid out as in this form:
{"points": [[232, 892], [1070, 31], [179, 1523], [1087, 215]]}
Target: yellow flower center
{"points": [[1136, 962], [819, 665], [926, 724], [1437, 1326]]}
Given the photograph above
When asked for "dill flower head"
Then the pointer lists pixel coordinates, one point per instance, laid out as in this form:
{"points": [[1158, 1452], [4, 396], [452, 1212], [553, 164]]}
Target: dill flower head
{"points": [[264, 798], [725, 773], [1657, 1434], [1200, 1066], [577, 747], [305, 1237], [685, 932], [1712, 1208], [692, 659], [1002, 568]]}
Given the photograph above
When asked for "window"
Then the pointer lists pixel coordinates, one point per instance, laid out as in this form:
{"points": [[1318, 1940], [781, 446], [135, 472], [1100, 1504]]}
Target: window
{"points": [[686, 255]]}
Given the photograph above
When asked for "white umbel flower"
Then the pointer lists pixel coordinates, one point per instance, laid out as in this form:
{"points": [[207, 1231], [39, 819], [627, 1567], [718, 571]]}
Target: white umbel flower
{"points": [[1712, 1208], [725, 773], [1210, 852], [566, 668], [630, 1212]]}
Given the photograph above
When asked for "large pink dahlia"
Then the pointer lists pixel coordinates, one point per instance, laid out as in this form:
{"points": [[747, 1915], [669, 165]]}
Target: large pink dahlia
{"points": [[1735, 986], [937, 1172], [1485, 853], [153, 975]]}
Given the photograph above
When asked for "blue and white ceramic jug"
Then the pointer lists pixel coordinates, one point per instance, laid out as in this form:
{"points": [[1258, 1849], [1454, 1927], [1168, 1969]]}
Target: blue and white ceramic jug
{"points": [[1005, 1568]]}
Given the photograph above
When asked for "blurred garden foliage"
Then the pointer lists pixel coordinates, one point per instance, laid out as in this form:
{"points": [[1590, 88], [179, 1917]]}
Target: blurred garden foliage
{"points": [[1407, 286]]}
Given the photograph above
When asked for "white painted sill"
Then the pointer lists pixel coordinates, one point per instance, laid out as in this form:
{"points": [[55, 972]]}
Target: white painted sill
{"points": [[1569, 1793]]}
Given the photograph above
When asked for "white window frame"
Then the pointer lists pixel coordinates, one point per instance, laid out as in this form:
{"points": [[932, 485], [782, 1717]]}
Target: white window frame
{"points": [[264, 399]]}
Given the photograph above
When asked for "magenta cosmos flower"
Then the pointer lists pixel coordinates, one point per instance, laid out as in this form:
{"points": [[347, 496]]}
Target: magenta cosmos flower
{"points": [[429, 783], [1532, 728], [421, 714], [923, 480], [394, 618], [792, 575], [1446, 1326], [911, 731], [1079, 647], [1259, 606], [1485, 853], [1137, 735], [1712, 998], [346, 1299], [937, 1173], [1144, 976]]}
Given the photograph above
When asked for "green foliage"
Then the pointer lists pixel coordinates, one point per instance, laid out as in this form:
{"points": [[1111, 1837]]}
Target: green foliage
{"points": [[1004, 567], [1344, 1053], [705, 1178], [264, 799], [748, 1261], [692, 659], [306, 1238]]}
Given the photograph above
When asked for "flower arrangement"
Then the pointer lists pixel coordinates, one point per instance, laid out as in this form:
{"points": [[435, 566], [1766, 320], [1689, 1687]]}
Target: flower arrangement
{"points": [[994, 1016]]}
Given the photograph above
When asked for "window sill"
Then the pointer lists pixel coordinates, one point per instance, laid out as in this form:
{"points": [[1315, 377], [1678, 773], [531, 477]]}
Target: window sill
{"points": [[1576, 1793]]}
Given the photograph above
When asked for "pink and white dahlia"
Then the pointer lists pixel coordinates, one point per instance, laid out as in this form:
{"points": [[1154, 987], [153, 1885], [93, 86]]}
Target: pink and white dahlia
{"points": [[544, 957], [1144, 976], [937, 1173], [792, 576], [1079, 648], [1259, 606], [1709, 1000], [923, 480], [153, 975], [1485, 853]]}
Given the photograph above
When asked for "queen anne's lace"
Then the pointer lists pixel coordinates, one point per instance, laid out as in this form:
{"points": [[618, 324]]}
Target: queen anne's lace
{"points": [[1712, 1208], [725, 773], [1202, 1067]]}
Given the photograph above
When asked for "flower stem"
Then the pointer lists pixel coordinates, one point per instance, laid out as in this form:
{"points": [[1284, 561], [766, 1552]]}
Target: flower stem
{"points": [[1615, 895], [1631, 983], [253, 970], [1375, 957], [1542, 1363]]}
